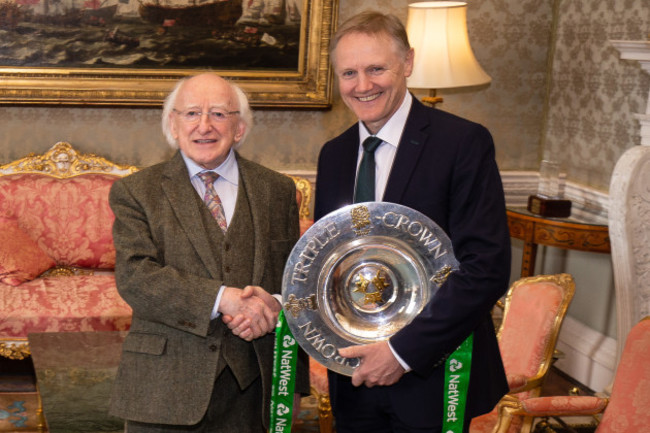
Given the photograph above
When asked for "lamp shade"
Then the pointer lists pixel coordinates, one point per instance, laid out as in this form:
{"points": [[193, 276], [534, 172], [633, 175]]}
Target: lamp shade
{"points": [[437, 30]]}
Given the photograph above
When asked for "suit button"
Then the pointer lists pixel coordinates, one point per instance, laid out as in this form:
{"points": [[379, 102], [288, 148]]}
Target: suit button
{"points": [[226, 247], [213, 347], [227, 269]]}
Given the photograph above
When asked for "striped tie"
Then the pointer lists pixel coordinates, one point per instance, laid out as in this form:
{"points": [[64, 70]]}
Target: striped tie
{"points": [[212, 200]]}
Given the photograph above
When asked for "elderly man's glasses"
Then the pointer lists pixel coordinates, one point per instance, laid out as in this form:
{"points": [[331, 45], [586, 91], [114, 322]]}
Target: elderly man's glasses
{"points": [[194, 116]]}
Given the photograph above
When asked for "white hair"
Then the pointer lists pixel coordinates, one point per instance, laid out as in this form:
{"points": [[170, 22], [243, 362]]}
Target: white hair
{"points": [[244, 109]]}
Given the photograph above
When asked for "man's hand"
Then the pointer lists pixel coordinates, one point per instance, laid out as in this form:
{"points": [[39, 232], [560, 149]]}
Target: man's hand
{"points": [[378, 365], [249, 313], [249, 327]]}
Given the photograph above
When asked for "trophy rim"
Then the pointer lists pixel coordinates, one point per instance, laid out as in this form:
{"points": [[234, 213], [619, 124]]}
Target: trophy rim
{"points": [[359, 275]]}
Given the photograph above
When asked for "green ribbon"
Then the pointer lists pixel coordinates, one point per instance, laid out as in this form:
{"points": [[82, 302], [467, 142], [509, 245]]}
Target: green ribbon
{"points": [[457, 371], [284, 374]]}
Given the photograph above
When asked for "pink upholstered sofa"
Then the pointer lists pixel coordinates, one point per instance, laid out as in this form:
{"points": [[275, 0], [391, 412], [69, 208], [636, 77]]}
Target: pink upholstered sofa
{"points": [[56, 246]]}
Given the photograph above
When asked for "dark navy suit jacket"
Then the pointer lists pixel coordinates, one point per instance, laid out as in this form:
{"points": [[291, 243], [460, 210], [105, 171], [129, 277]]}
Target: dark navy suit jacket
{"points": [[445, 168]]}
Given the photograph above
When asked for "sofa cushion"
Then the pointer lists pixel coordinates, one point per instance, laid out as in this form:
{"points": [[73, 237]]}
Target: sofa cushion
{"points": [[70, 218], [63, 304], [21, 259]]}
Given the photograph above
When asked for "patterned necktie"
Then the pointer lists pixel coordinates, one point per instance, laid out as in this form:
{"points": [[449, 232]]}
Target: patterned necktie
{"points": [[212, 200], [365, 190]]}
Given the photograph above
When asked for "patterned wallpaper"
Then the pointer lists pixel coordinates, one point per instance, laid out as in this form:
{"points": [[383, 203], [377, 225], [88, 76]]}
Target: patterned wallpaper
{"points": [[592, 96], [510, 40]]}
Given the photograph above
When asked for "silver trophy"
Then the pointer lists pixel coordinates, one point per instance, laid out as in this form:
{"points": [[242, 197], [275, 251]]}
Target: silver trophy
{"points": [[359, 275]]}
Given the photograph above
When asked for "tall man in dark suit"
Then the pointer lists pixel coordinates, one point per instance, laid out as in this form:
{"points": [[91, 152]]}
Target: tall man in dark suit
{"points": [[444, 167], [201, 244]]}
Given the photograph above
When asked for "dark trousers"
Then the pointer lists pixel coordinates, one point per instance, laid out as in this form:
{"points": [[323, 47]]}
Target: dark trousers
{"points": [[230, 410], [372, 412]]}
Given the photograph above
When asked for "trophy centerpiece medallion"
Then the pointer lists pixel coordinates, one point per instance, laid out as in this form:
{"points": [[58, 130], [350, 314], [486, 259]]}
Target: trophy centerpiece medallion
{"points": [[359, 275], [370, 287]]}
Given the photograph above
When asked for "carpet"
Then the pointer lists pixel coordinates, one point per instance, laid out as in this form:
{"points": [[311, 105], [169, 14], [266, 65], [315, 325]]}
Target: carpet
{"points": [[308, 417], [75, 371], [553, 427], [18, 412]]}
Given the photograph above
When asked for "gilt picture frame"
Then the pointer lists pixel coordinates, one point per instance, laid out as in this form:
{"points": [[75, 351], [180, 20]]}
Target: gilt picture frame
{"points": [[278, 53]]}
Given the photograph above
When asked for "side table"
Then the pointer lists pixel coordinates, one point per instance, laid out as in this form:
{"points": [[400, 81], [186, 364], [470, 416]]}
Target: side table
{"points": [[565, 233]]}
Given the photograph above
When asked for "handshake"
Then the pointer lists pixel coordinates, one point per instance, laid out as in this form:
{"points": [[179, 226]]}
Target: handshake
{"points": [[250, 312]]}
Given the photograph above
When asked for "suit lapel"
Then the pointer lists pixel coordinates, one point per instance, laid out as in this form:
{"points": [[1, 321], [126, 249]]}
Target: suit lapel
{"points": [[185, 203], [411, 145], [260, 204], [348, 164]]}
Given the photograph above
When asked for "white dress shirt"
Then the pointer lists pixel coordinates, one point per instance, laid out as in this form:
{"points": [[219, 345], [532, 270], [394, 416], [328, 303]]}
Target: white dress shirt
{"points": [[390, 133]]}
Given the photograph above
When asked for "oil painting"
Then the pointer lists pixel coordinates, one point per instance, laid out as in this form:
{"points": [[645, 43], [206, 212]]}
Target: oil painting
{"points": [[130, 52]]}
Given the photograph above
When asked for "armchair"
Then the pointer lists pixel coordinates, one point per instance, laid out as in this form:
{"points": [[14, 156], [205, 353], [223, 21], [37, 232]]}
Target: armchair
{"points": [[320, 390], [535, 308], [625, 411], [303, 196]]}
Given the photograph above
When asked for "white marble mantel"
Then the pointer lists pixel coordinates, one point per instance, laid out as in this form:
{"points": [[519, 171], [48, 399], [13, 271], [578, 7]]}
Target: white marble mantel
{"points": [[629, 215], [639, 51]]}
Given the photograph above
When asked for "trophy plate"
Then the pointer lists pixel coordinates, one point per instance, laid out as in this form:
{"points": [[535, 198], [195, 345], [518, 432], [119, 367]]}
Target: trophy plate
{"points": [[359, 275]]}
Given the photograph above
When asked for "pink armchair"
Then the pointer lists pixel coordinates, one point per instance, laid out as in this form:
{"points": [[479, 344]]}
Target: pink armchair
{"points": [[534, 310], [626, 411]]}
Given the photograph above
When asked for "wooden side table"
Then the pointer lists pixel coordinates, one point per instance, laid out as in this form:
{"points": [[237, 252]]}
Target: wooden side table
{"points": [[563, 233]]}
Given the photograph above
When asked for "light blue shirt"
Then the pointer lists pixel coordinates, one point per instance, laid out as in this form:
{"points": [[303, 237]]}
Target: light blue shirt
{"points": [[226, 186]]}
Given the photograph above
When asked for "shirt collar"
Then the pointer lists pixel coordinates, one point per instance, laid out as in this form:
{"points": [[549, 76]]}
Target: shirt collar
{"points": [[228, 169], [391, 132]]}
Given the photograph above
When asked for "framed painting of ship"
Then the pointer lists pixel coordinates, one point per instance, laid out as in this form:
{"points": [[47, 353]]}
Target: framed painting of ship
{"points": [[131, 52]]}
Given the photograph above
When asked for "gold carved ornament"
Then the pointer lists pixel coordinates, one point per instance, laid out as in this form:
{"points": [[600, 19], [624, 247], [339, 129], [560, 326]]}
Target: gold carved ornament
{"points": [[16, 351], [295, 306], [375, 297], [63, 161]]}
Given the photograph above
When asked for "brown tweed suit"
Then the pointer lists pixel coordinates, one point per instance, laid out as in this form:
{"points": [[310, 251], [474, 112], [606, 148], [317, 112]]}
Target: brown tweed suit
{"points": [[171, 260]]}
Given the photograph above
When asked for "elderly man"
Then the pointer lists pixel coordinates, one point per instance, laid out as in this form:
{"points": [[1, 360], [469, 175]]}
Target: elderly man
{"points": [[201, 241], [444, 167]]}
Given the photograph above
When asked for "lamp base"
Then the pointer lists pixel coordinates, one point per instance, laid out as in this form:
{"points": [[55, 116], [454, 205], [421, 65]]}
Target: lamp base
{"points": [[431, 101], [544, 206]]}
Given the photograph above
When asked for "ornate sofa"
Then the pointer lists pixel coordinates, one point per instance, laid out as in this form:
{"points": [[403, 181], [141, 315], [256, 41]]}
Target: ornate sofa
{"points": [[56, 246]]}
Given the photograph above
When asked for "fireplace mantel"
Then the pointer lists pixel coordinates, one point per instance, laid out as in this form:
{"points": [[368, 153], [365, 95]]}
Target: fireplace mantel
{"points": [[629, 213]]}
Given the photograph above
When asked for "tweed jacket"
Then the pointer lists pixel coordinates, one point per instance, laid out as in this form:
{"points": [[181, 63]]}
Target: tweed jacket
{"points": [[169, 270], [445, 168]]}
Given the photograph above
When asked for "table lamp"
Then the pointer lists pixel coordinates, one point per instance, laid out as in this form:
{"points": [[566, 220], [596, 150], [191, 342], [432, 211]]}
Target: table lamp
{"points": [[437, 30]]}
